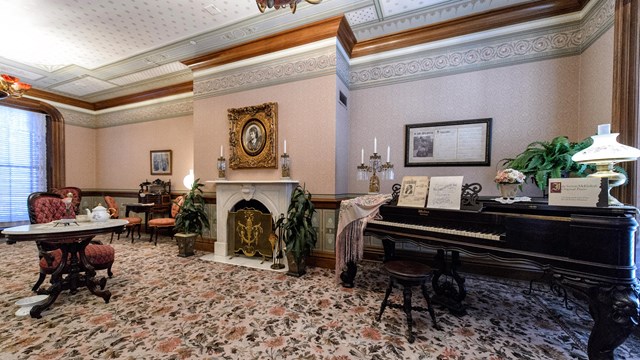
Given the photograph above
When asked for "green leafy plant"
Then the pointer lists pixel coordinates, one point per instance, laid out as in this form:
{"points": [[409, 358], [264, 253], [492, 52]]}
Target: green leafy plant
{"points": [[542, 160], [299, 234], [192, 217]]}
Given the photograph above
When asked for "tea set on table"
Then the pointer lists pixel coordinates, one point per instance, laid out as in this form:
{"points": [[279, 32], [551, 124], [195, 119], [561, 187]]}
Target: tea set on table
{"points": [[98, 214]]}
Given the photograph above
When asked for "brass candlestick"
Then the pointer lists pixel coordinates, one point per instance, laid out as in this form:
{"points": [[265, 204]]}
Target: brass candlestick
{"points": [[285, 161], [222, 167]]}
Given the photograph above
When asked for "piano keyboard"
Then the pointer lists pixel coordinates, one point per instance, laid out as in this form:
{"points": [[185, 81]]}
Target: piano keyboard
{"points": [[468, 233]]}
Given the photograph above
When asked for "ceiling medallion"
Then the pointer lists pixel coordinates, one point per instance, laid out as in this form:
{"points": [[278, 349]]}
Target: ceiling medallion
{"points": [[277, 4]]}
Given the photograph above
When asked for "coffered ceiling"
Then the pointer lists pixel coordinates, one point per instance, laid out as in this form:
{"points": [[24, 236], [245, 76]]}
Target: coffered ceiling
{"points": [[93, 51]]}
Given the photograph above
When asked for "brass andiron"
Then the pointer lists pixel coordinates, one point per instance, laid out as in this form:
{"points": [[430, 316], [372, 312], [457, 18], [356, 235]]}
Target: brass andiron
{"points": [[276, 244]]}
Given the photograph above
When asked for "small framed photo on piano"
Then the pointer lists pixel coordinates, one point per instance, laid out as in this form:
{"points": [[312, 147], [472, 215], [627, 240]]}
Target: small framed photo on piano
{"points": [[413, 192]]}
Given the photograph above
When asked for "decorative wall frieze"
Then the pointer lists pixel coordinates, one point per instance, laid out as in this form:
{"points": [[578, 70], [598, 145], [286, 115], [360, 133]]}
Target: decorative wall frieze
{"points": [[78, 118], [530, 45], [156, 111], [318, 62], [342, 65]]}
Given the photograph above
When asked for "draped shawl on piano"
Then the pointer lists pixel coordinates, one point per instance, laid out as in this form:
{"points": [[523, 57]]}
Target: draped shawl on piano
{"points": [[354, 215]]}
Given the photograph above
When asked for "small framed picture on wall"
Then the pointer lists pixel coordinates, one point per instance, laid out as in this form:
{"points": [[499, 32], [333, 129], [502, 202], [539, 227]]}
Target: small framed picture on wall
{"points": [[160, 162]]}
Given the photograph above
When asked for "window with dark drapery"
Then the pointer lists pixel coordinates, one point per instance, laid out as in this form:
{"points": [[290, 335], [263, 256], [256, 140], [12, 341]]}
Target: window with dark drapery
{"points": [[31, 155]]}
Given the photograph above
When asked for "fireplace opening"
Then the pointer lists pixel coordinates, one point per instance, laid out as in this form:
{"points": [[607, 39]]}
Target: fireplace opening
{"points": [[253, 203]]}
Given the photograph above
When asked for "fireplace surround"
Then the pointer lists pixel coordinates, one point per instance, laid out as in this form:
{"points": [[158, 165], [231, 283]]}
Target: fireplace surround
{"points": [[273, 194]]}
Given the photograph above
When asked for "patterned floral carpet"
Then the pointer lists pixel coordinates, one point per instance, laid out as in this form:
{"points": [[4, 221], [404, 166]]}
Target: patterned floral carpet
{"points": [[167, 307]]}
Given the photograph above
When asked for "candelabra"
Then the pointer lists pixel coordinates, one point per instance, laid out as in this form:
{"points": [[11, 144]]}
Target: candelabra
{"points": [[375, 166], [222, 167], [285, 162]]}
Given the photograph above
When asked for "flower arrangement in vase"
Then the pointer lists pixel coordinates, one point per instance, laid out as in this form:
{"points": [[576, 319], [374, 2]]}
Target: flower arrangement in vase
{"points": [[509, 181]]}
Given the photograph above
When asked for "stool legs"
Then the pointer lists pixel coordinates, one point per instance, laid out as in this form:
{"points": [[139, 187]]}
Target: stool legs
{"points": [[386, 297], [407, 310], [425, 293], [407, 306]]}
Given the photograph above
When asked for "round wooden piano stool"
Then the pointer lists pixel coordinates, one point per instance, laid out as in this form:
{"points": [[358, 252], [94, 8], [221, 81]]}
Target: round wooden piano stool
{"points": [[408, 274]]}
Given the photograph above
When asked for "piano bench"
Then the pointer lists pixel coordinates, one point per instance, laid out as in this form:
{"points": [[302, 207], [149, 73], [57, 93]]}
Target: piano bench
{"points": [[408, 274]]}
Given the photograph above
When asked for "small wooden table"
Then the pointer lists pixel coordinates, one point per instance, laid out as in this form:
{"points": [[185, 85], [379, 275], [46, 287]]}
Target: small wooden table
{"points": [[72, 239], [140, 208]]}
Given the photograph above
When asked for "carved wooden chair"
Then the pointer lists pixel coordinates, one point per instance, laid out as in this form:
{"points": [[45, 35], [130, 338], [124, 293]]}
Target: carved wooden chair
{"points": [[45, 207], [166, 222], [77, 196], [135, 222]]}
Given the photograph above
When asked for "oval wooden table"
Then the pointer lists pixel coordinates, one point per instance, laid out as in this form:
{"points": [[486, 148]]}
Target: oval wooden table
{"points": [[72, 239]]}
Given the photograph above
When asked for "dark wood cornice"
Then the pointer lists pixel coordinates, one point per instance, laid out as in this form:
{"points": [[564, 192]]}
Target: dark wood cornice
{"points": [[176, 89], [346, 36], [317, 31], [469, 24], [60, 99]]}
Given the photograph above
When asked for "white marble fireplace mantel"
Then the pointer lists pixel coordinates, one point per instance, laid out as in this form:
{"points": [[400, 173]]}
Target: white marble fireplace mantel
{"points": [[275, 195]]}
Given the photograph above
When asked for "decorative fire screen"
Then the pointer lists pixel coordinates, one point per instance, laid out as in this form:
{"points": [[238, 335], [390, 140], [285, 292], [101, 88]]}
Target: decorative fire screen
{"points": [[249, 231]]}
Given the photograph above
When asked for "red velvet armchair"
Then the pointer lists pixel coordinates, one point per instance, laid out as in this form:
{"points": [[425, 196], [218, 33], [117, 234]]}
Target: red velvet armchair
{"points": [[46, 207]]}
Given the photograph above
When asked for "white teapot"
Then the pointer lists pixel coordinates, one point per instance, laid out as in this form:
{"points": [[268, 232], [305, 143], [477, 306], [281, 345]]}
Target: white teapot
{"points": [[99, 214]]}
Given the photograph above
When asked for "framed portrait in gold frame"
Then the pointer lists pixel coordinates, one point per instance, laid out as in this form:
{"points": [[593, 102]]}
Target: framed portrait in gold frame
{"points": [[253, 136]]}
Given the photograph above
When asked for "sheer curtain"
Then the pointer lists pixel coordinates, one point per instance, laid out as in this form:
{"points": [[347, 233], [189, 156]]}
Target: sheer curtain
{"points": [[23, 162]]}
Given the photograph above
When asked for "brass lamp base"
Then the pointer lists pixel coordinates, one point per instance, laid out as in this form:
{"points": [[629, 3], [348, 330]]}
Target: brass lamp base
{"points": [[615, 179]]}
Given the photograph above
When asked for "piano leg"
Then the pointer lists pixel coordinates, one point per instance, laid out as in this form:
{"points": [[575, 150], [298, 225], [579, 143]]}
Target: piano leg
{"points": [[615, 310], [348, 275], [447, 293]]}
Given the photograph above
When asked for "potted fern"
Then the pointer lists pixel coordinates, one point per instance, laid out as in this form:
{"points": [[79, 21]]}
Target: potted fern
{"points": [[299, 234], [543, 160], [191, 220]]}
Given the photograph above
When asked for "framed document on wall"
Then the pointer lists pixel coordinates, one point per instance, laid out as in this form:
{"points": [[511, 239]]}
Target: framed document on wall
{"points": [[453, 143]]}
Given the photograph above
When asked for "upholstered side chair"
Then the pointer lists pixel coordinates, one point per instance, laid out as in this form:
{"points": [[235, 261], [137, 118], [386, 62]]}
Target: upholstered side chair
{"points": [[166, 222], [135, 222], [45, 207], [77, 196]]}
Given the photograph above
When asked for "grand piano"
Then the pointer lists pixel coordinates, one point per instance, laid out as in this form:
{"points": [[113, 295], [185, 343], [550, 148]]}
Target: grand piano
{"points": [[589, 251]]}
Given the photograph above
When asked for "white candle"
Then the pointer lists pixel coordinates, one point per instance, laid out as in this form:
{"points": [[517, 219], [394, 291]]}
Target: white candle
{"points": [[285, 146], [221, 150], [375, 145], [362, 156], [388, 152], [604, 129]]}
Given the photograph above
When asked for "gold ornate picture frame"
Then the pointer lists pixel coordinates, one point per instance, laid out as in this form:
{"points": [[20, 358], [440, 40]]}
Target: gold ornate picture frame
{"points": [[253, 136]]}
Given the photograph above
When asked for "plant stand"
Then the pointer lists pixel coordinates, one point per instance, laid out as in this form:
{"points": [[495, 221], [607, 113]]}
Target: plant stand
{"points": [[186, 243]]}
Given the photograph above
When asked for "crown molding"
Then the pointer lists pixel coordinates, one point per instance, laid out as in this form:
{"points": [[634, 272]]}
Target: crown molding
{"points": [[468, 24], [170, 90], [320, 30]]}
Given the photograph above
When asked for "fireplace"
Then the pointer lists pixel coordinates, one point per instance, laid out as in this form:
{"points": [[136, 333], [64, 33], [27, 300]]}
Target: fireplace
{"points": [[274, 195]]}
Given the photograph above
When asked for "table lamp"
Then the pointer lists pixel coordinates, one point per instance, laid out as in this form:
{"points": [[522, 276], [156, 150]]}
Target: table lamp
{"points": [[188, 180], [604, 153]]}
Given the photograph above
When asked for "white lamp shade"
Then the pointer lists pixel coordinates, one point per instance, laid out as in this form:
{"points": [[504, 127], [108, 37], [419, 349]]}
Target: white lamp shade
{"points": [[188, 179], [604, 150]]}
